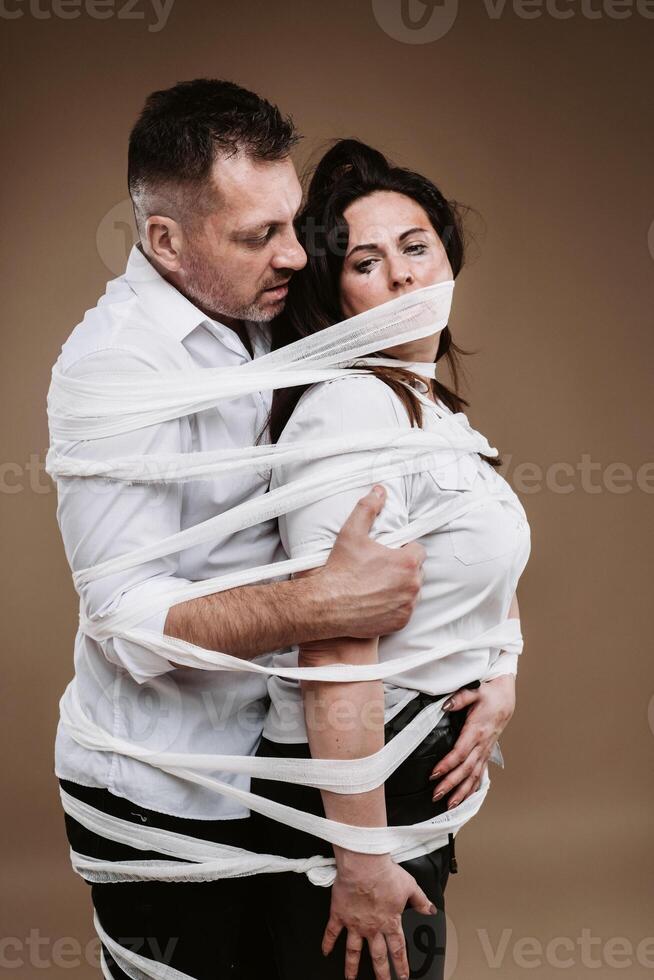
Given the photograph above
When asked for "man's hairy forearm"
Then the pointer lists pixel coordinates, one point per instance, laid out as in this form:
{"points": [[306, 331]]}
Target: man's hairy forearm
{"points": [[256, 619]]}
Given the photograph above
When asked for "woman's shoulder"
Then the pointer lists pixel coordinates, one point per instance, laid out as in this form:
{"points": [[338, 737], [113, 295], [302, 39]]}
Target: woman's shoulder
{"points": [[351, 403]]}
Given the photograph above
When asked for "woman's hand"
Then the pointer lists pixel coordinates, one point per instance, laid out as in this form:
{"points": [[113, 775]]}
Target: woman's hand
{"points": [[491, 707], [368, 898]]}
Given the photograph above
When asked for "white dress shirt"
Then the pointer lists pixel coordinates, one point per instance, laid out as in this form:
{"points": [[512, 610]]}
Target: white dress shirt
{"points": [[472, 566], [143, 324]]}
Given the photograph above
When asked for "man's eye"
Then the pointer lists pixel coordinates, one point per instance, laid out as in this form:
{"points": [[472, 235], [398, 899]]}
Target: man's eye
{"points": [[262, 239]]}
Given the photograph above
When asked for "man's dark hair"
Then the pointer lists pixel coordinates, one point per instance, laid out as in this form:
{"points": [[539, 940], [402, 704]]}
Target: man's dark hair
{"points": [[182, 129]]}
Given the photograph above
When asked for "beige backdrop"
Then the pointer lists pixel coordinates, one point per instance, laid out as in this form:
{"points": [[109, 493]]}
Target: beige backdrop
{"points": [[534, 114]]}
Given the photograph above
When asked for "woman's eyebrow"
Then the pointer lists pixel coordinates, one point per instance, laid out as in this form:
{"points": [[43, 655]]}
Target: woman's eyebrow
{"points": [[411, 231], [361, 248], [372, 245]]}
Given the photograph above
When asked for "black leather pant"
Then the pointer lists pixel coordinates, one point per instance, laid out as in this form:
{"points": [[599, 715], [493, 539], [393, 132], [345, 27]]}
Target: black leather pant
{"points": [[298, 911]]}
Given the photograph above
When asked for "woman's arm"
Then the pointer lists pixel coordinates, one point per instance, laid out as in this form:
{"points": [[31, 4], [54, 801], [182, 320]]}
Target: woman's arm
{"points": [[490, 708], [346, 721]]}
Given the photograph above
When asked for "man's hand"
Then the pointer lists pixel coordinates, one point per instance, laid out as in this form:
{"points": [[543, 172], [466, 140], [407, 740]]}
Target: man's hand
{"points": [[368, 898], [492, 705], [373, 589]]}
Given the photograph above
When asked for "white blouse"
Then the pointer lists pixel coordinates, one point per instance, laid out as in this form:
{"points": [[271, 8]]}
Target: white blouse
{"points": [[472, 566]]}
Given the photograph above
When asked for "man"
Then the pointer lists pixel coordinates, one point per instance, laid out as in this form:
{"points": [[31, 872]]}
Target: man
{"points": [[215, 194]]}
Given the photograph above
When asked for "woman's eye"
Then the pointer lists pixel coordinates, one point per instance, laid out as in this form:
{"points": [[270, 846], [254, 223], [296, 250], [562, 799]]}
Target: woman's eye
{"points": [[417, 248]]}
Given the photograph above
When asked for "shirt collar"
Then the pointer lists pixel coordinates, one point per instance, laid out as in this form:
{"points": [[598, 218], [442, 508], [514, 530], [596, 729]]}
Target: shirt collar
{"points": [[168, 306], [178, 315]]}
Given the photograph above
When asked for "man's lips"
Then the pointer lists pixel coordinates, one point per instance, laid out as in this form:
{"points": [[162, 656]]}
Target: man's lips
{"points": [[279, 291]]}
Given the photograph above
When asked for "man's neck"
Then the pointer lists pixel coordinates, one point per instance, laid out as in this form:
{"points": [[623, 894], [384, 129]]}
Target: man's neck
{"points": [[238, 326]]}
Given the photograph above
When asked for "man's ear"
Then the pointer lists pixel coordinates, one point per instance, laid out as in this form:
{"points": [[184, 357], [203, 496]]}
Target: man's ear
{"points": [[165, 241]]}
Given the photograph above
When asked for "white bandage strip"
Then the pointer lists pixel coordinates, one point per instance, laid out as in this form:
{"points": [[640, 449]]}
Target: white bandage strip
{"points": [[79, 409], [116, 622], [348, 776], [197, 859], [500, 636], [338, 775], [135, 966], [297, 493], [84, 410], [176, 467], [217, 860]]}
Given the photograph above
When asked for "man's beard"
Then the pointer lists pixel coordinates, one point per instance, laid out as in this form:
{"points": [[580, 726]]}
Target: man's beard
{"points": [[211, 292]]}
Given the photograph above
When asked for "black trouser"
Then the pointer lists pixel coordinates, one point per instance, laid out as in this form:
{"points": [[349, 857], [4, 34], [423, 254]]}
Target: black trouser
{"points": [[298, 910], [209, 930], [221, 929]]}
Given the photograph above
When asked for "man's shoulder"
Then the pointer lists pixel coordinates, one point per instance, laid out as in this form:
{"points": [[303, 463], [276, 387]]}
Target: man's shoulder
{"points": [[119, 333]]}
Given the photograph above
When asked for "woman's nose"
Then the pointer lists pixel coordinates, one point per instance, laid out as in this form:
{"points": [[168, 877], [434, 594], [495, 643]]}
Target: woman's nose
{"points": [[400, 276]]}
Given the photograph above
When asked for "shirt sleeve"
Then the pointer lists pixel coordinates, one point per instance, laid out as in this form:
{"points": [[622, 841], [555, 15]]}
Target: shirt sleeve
{"points": [[505, 663], [101, 519], [343, 407]]}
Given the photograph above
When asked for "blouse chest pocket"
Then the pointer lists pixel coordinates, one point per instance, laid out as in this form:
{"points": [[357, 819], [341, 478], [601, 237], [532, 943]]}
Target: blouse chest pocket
{"points": [[455, 474], [491, 528]]}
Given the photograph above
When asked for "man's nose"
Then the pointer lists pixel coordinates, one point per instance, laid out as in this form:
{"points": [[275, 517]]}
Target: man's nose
{"points": [[290, 255]]}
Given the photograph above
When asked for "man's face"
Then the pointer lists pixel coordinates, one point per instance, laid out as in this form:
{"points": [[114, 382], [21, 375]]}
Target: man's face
{"points": [[236, 260]]}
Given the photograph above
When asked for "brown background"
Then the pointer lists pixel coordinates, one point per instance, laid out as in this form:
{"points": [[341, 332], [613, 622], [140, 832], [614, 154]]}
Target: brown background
{"points": [[541, 125]]}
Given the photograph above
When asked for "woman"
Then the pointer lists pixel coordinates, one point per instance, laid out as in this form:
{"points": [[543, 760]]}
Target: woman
{"points": [[373, 232]]}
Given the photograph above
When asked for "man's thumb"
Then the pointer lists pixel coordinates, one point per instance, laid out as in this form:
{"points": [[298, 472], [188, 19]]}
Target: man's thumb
{"points": [[367, 509]]}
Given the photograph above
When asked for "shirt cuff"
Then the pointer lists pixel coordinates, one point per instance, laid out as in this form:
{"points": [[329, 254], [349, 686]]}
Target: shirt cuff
{"points": [[141, 663], [505, 663]]}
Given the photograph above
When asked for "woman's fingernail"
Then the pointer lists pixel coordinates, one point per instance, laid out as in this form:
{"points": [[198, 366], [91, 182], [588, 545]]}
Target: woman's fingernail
{"points": [[448, 704], [436, 775], [438, 795], [433, 909], [450, 806]]}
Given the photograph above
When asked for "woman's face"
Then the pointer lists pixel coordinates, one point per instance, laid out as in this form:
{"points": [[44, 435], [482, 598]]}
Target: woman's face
{"points": [[392, 249]]}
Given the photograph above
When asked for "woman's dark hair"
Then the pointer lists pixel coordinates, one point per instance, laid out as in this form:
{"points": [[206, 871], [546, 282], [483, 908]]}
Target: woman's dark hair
{"points": [[348, 171]]}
